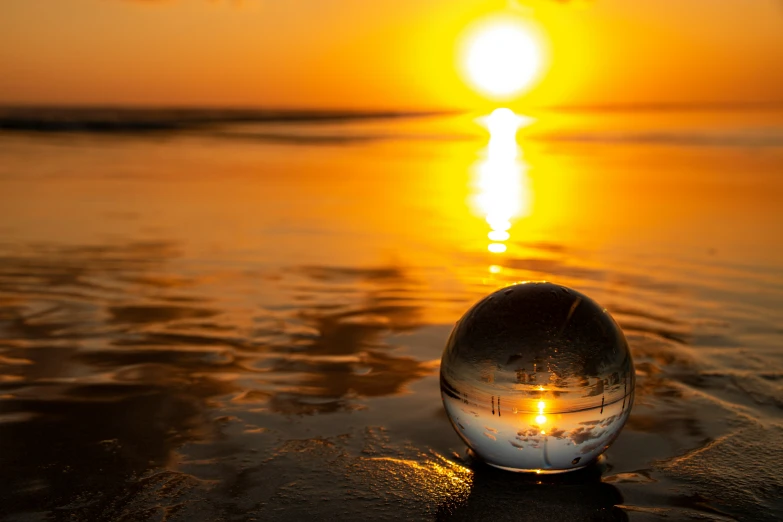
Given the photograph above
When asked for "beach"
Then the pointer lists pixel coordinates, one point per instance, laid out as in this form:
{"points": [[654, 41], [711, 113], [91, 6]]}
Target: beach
{"points": [[240, 316]]}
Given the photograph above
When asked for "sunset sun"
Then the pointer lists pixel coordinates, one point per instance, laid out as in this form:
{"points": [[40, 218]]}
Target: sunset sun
{"points": [[501, 58]]}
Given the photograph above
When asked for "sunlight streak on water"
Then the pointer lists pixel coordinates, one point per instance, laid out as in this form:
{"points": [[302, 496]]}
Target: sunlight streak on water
{"points": [[503, 192]]}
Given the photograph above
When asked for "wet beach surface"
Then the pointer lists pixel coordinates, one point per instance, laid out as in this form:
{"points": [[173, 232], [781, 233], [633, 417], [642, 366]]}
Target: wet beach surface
{"points": [[246, 323]]}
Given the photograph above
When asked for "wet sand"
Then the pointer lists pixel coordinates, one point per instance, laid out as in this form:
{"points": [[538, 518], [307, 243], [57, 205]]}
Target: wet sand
{"points": [[246, 321]]}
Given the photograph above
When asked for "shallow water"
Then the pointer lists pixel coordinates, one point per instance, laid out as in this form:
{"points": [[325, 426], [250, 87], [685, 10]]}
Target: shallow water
{"points": [[245, 321]]}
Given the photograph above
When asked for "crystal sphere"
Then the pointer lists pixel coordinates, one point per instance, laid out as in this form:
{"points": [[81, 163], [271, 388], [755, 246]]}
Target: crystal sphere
{"points": [[537, 377]]}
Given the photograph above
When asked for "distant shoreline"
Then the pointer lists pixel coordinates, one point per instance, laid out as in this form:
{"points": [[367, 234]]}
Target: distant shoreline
{"points": [[128, 119]]}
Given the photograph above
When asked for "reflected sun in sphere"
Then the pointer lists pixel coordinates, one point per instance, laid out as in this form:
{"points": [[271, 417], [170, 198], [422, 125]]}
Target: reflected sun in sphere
{"points": [[501, 57]]}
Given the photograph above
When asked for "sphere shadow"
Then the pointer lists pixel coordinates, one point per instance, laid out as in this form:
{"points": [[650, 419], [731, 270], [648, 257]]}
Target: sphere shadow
{"points": [[500, 495]]}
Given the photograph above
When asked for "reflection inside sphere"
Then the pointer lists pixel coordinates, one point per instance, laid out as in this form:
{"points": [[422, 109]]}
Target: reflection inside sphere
{"points": [[537, 377]]}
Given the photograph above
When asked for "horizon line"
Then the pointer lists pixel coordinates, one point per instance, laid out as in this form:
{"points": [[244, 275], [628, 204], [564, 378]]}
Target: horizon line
{"points": [[662, 106]]}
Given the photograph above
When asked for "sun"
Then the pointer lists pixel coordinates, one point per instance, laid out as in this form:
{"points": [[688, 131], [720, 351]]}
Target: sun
{"points": [[501, 58]]}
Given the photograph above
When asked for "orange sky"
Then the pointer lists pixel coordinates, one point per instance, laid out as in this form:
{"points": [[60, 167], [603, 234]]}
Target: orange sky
{"points": [[380, 53]]}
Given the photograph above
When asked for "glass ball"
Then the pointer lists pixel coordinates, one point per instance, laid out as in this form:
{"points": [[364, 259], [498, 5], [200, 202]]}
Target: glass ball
{"points": [[537, 377]]}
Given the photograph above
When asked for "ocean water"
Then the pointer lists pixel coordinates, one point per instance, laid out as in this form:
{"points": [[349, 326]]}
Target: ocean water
{"points": [[239, 315]]}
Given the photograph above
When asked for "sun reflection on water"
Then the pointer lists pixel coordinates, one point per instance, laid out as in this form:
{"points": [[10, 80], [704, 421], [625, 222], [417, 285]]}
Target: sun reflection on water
{"points": [[503, 194], [541, 418]]}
